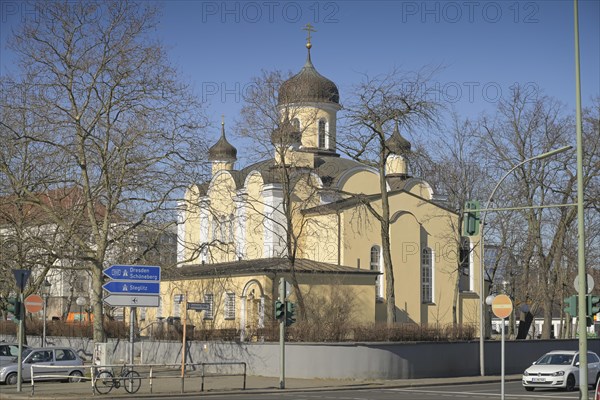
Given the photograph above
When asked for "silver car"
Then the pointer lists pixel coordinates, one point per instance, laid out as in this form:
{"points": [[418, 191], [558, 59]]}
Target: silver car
{"points": [[65, 357], [9, 352]]}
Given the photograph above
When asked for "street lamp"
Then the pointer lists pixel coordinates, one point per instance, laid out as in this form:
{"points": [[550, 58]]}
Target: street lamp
{"points": [[481, 255], [45, 289], [80, 302]]}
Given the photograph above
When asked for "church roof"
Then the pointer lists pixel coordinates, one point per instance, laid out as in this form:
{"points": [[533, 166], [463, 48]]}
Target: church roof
{"points": [[396, 143], [222, 150], [308, 85], [261, 266], [329, 168]]}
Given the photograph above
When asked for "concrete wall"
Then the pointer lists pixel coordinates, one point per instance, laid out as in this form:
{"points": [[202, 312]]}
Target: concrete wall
{"points": [[339, 360]]}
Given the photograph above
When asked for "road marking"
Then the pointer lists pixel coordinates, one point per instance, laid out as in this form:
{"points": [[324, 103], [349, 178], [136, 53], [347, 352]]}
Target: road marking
{"points": [[515, 396]]}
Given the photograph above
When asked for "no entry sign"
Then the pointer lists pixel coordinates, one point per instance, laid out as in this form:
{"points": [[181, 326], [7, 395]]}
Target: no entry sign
{"points": [[502, 306], [34, 303]]}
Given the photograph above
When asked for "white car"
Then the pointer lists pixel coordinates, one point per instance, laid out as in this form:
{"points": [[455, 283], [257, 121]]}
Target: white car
{"points": [[560, 369]]}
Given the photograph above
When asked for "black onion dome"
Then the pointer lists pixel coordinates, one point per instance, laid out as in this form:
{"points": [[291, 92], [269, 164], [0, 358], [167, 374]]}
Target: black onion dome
{"points": [[308, 86], [222, 150], [286, 134], [396, 144]]}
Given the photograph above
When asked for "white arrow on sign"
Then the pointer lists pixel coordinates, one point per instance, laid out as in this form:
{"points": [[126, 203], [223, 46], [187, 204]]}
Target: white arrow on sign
{"points": [[131, 300]]}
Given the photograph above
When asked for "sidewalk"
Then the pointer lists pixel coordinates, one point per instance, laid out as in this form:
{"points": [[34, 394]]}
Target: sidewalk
{"points": [[171, 386]]}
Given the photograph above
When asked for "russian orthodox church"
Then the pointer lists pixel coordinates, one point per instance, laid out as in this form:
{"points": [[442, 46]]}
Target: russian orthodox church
{"points": [[300, 216]]}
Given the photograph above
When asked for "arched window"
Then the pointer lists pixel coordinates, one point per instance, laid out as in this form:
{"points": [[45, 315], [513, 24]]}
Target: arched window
{"points": [[375, 265], [426, 276], [322, 134], [296, 124]]}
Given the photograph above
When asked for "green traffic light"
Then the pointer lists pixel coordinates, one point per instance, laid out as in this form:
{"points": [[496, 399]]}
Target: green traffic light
{"points": [[290, 316], [471, 219], [571, 305], [593, 305], [15, 307], [279, 310]]}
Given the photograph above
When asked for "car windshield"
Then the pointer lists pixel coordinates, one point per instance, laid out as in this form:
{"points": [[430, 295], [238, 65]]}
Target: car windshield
{"points": [[555, 359]]}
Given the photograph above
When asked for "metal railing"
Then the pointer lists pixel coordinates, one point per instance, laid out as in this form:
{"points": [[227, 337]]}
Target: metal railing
{"points": [[173, 371], [54, 376]]}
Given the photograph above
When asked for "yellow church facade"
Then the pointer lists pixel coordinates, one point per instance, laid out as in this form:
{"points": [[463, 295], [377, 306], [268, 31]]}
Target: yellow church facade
{"points": [[306, 215]]}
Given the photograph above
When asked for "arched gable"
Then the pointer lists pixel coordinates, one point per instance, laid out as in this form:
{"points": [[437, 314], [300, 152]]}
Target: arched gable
{"points": [[359, 179], [419, 187]]}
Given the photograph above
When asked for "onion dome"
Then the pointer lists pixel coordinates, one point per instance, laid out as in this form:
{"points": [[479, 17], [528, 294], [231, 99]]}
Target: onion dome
{"points": [[396, 144], [286, 134], [222, 150], [308, 86]]}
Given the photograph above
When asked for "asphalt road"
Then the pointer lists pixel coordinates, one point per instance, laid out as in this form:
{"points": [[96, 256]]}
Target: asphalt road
{"points": [[513, 391]]}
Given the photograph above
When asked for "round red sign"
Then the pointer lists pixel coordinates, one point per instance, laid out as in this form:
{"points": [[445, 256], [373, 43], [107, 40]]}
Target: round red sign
{"points": [[502, 306], [34, 303]]}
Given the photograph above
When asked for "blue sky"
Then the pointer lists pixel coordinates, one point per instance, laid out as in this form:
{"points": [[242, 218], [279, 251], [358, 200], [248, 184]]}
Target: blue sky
{"points": [[483, 46]]}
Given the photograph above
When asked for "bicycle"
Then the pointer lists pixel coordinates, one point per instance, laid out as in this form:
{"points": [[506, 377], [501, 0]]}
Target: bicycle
{"points": [[106, 381]]}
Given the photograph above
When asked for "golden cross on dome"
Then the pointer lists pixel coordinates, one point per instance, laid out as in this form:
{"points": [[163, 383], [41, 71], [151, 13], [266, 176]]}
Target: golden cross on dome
{"points": [[308, 28]]}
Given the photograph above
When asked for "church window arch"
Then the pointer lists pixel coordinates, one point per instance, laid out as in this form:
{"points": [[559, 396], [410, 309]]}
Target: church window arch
{"points": [[426, 275], [323, 132]]}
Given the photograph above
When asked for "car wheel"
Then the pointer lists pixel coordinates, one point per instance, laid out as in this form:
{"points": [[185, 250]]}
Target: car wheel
{"points": [[570, 386], [529, 389], [11, 379], [75, 376]]}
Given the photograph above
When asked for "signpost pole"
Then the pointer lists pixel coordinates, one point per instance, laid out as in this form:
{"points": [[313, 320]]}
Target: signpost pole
{"points": [[502, 361], [184, 321], [20, 355], [502, 307], [282, 337]]}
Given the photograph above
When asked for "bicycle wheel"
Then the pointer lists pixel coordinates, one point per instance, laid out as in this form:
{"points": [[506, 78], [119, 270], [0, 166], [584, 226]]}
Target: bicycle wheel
{"points": [[132, 381], [104, 382]]}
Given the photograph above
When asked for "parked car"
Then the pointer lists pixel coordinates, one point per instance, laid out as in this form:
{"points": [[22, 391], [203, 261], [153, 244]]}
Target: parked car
{"points": [[560, 369], [65, 357], [9, 351]]}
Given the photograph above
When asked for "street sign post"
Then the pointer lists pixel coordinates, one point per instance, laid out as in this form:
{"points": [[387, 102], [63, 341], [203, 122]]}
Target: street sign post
{"points": [[131, 300], [34, 303], [198, 306], [133, 272], [130, 287]]}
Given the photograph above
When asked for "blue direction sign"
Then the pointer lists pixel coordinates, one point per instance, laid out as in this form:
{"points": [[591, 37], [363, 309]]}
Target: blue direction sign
{"points": [[133, 272], [124, 287]]}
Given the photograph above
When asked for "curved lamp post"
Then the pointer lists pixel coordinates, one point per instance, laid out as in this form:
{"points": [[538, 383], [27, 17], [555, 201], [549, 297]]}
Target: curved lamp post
{"points": [[45, 289], [481, 255]]}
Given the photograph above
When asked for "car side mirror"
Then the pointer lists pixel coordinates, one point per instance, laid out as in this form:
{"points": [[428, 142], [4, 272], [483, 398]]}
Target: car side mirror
{"points": [[577, 364], [533, 363]]}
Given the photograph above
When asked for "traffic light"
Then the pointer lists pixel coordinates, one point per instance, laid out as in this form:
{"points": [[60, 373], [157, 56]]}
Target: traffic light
{"points": [[279, 310], [471, 219], [290, 316], [15, 307], [593, 305], [571, 305]]}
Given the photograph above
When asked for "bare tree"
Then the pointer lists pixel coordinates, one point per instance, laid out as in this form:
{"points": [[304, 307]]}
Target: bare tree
{"points": [[526, 125], [377, 103], [453, 167], [119, 128]]}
